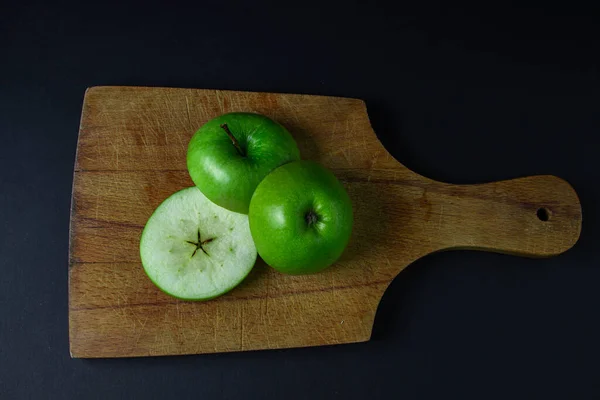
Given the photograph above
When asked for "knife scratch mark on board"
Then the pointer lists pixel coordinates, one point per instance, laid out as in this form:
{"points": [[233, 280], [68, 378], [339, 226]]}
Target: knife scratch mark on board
{"points": [[164, 133], [97, 200], [335, 300], [216, 326], [267, 296], [241, 319], [181, 142], [387, 260], [345, 155], [318, 331], [116, 150], [347, 133], [333, 102], [150, 127], [293, 108], [199, 333], [220, 101], [187, 107], [141, 330], [371, 168]]}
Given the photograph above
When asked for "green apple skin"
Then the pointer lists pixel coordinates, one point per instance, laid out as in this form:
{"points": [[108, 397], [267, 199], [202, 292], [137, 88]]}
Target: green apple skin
{"points": [[229, 178], [300, 218]]}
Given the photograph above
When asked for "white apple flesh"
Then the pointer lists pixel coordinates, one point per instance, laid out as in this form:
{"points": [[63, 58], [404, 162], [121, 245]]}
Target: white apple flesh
{"points": [[193, 249]]}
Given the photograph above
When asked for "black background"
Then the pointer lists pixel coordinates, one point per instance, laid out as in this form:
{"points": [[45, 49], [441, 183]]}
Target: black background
{"points": [[455, 97]]}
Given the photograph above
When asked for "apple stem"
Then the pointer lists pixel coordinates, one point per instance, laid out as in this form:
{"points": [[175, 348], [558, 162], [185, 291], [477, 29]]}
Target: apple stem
{"points": [[233, 140]]}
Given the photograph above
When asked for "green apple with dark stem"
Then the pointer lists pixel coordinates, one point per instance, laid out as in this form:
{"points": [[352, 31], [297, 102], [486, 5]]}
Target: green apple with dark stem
{"points": [[231, 154], [300, 218]]}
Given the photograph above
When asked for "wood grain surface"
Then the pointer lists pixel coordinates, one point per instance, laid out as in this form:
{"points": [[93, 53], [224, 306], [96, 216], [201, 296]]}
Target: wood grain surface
{"points": [[132, 155]]}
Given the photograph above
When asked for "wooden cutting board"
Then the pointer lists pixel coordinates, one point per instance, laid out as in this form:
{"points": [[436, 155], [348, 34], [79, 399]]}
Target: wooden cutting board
{"points": [[131, 155]]}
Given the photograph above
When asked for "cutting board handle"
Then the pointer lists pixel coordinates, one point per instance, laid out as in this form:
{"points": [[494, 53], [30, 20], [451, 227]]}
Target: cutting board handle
{"points": [[536, 216]]}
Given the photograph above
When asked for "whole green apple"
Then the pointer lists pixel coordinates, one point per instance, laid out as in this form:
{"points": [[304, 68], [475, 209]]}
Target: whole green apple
{"points": [[229, 156], [300, 218]]}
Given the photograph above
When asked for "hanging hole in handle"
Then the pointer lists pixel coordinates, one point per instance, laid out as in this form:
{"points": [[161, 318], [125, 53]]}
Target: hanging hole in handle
{"points": [[543, 214]]}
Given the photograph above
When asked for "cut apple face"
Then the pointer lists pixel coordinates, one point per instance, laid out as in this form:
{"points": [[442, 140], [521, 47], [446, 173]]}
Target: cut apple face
{"points": [[193, 249]]}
